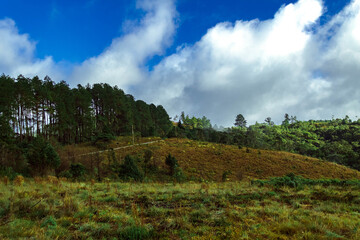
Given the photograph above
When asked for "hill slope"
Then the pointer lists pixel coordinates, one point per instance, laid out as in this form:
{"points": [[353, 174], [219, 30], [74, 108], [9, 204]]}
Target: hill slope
{"points": [[208, 161]]}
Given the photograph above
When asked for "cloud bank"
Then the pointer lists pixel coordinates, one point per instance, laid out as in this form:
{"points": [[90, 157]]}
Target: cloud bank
{"points": [[287, 64]]}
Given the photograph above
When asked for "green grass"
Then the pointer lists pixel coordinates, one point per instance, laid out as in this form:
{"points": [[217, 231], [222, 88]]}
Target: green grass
{"points": [[230, 210]]}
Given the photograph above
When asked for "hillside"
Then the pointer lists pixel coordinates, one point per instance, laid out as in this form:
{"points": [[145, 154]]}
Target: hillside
{"points": [[208, 161]]}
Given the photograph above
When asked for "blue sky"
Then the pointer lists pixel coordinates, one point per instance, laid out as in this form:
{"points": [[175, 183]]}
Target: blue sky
{"points": [[76, 30], [215, 58]]}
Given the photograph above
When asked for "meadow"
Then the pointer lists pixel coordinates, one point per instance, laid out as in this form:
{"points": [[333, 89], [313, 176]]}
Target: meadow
{"points": [[51, 208], [201, 161]]}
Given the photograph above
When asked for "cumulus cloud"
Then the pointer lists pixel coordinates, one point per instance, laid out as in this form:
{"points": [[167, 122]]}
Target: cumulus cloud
{"points": [[257, 68], [122, 63], [288, 64], [17, 54]]}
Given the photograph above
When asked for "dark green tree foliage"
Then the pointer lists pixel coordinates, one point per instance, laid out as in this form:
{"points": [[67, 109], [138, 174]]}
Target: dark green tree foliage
{"points": [[172, 163], [77, 170], [240, 121], [35, 107], [32, 108], [42, 157], [130, 169]]}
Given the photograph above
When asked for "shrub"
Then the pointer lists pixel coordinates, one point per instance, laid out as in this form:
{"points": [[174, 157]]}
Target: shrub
{"points": [[179, 175], [130, 170], [77, 170], [172, 163], [8, 172], [66, 174], [42, 156], [225, 175]]}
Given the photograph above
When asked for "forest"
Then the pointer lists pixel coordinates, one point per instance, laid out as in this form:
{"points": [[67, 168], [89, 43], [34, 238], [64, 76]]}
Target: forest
{"points": [[37, 116], [35, 112]]}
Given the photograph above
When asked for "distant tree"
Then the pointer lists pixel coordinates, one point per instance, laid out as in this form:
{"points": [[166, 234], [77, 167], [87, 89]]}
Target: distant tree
{"points": [[286, 120], [269, 122], [240, 121], [293, 119]]}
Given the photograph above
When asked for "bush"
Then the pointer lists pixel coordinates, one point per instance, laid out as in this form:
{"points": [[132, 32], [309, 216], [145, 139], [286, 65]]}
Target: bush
{"points": [[291, 180], [42, 156], [130, 170], [77, 170], [172, 163], [225, 175], [66, 174], [8, 172], [179, 175]]}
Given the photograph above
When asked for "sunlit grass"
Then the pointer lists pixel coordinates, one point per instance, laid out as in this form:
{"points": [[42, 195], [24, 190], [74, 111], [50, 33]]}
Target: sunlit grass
{"points": [[230, 210]]}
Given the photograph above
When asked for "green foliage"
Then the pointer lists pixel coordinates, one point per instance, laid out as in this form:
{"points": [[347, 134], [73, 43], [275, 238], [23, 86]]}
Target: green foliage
{"points": [[194, 122], [240, 121], [172, 163], [49, 223], [179, 175], [77, 170], [136, 232], [42, 156], [8, 172], [130, 169], [293, 181]]}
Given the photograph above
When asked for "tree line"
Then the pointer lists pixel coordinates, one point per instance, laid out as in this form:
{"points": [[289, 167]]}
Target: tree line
{"points": [[336, 140], [34, 112], [31, 107]]}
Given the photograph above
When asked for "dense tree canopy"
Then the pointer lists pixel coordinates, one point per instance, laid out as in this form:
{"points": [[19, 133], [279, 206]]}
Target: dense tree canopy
{"points": [[34, 107], [34, 112]]}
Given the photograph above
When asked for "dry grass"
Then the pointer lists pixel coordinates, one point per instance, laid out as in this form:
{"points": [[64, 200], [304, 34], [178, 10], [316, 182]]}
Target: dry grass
{"points": [[209, 161]]}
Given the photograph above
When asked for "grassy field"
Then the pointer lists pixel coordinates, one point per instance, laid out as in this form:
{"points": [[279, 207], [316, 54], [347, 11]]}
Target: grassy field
{"points": [[54, 209], [209, 161]]}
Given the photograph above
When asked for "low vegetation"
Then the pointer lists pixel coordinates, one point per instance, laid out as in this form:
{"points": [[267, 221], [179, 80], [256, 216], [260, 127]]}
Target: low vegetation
{"points": [[199, 161], [48, 209]]}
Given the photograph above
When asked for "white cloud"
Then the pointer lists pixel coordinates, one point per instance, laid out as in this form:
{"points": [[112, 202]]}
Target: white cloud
{"points": [[122, 63], [288, 64], [17, 54], [258, 68]]}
